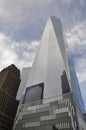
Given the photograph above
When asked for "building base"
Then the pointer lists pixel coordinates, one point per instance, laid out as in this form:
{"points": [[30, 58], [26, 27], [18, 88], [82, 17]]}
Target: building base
{"points": [[58, 113]]}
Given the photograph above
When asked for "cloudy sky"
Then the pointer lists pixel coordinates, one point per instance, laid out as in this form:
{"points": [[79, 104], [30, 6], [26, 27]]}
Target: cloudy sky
{"points": [[21, 27]]}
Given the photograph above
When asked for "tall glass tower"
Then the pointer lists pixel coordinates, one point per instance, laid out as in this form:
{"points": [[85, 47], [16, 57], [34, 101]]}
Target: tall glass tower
{"points": [[52, 87], [51, 61]]}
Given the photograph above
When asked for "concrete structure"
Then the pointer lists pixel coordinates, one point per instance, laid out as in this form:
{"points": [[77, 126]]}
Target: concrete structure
{"points": [[24, 78], [61, 106], [54, 114], [9, 83]]}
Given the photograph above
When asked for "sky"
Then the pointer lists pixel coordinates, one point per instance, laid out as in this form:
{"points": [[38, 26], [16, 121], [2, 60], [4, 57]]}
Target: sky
{"points": [[21, 26]]}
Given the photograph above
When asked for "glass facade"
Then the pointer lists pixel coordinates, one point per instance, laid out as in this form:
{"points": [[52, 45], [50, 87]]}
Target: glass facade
{"points": [[75, 85], [34, 93], [51, 61], [65, 83], [62, 105]]}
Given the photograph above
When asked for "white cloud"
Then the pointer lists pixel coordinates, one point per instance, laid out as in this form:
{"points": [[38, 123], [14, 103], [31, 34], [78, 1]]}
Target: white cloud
{"points": [[11, 9], [21, 54], [76, 36], [82, 2], [66, 2], [77, 44]]}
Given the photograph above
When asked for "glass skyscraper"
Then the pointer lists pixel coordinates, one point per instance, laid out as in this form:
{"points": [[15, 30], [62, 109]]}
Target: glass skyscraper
{"points": [[52, 99]]}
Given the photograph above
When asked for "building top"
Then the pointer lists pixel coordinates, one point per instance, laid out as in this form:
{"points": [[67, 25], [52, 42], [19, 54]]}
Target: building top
{"points": [[12, 68]]}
